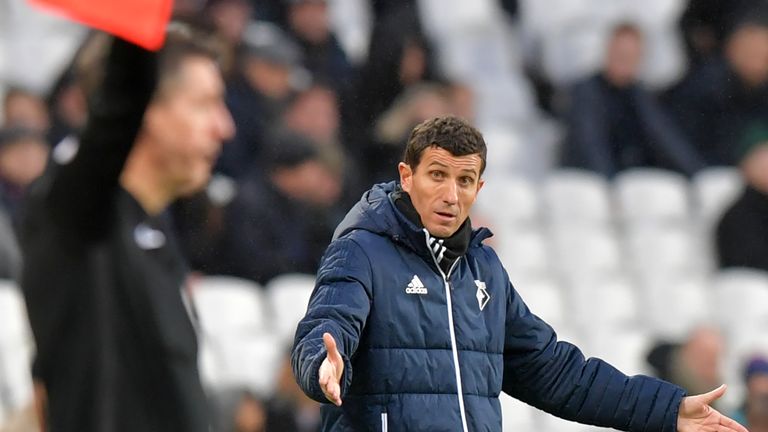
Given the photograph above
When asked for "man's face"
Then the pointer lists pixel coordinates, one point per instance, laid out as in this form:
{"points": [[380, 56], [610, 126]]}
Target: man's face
{"points": [[309, 19], [625, 53], [755, 168], [316, 114], [187, 123], [443, 188], [23, 161], [747, 53]]}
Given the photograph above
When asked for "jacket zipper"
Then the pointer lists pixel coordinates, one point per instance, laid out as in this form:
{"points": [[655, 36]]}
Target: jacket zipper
{"points": [[384, 425], [454, 348]]}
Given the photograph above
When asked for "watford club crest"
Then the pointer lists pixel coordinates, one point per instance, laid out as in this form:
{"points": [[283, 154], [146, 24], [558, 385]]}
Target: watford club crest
{"points": [[482, 294]]}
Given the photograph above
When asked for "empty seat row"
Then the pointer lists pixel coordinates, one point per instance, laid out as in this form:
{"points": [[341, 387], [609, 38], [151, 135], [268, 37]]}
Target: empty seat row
{"points": [[637, 197]]}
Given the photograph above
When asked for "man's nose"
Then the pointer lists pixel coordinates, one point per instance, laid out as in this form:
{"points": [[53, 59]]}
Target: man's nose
{"points": [[451, 193]]}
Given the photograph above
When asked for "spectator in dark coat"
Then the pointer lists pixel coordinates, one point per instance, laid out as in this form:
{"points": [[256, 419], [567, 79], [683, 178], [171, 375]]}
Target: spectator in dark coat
{"points": [[706, 24], [742, 235], [614, 123], [259, 94], [309, 24], [399, 57], [720, 99], [279, 221]]}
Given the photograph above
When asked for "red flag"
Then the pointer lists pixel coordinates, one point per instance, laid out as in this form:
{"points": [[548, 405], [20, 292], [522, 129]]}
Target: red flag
{"points": [[142, 22]]}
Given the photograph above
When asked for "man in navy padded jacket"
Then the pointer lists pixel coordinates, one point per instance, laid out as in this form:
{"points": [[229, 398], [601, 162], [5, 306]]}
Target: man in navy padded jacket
{"points": [[415, 325]]}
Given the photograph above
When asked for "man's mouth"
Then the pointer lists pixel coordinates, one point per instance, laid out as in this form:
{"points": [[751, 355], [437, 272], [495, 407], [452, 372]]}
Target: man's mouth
{"points": [[445, 215]]}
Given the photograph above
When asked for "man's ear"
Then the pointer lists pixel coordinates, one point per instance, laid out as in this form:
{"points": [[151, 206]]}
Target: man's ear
{"points": [[406, 176]]}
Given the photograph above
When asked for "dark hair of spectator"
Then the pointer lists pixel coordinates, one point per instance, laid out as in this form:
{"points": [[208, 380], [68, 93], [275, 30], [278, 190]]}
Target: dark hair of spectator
{"points": [[450, 133]]}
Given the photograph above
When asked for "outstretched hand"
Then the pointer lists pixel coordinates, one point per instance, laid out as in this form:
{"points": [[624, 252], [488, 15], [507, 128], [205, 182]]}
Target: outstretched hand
{"points": [[697, 415], [331, 371]]}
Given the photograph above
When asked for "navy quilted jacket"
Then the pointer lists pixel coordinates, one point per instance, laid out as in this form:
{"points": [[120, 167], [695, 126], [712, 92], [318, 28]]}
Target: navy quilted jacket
{"points": [[428, 352]]}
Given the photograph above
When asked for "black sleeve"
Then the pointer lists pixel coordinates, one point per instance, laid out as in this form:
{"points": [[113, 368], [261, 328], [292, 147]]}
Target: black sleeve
{"points": [[81, 189]]}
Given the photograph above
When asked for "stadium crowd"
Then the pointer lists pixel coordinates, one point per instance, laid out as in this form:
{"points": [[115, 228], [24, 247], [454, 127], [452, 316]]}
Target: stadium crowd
{"points": [[627, 179]]}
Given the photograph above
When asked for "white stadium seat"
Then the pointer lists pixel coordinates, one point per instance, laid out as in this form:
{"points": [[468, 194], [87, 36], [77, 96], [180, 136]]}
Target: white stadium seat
{"points": [[715, 189], [668, 249], [597, 302], [16, 349], [544, 298], [288, 297], [652, 196], [228, 305], [525, 254], [577, 197], [509, 202], [517, 415], [250, 362], [586, 251], [674, 306], [741, 299]]}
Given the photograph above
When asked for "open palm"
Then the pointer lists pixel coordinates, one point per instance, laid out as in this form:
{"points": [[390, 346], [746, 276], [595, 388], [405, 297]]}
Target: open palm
{"points": [[331, 371], [697, 415]]}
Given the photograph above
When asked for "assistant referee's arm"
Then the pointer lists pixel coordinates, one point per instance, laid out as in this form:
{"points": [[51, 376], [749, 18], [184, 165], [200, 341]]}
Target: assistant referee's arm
{"points": [[81, 189]]}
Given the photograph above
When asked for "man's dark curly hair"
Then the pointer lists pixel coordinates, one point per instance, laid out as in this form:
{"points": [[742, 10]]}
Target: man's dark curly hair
{"points": [[450, 133]]}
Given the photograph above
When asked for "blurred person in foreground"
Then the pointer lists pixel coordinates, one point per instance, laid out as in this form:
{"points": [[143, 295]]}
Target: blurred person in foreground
{"points": [[102, 278], [742, 233], [414, 325], [614, 123], [753, 413]]}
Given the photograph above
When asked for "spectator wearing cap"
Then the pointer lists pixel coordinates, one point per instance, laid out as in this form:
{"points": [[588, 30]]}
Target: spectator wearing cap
{"points": [[754, 411], [269, 72], [742, 234], [615, 123], [323, 56], [721, 98], [279, 222]]}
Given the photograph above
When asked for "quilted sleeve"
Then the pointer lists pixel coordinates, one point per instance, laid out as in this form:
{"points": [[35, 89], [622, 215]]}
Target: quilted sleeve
{"points": [[554, 376], [339, 305]]}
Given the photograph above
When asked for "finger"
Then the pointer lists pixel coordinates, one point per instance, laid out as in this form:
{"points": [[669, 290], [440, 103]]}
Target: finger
{"points": [[732, 425], [714, 395], [330, 345], [333, 393]]}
